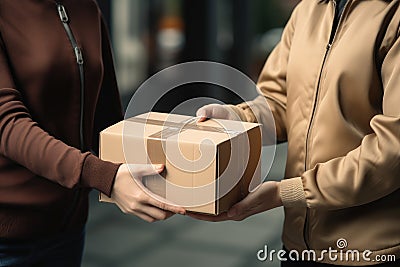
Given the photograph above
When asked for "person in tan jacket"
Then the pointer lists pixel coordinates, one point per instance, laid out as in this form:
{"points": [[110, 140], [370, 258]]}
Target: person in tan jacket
{"points": [[333, 87]]}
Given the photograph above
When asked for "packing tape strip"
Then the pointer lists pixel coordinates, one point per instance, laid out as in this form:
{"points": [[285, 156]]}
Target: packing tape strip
{"points": [[156, 146], [172, 128]]}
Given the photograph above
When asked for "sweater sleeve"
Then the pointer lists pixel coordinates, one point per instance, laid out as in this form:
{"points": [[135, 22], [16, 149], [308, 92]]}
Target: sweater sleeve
{"points": [[365, 174], [272, 88], [22, 140]]}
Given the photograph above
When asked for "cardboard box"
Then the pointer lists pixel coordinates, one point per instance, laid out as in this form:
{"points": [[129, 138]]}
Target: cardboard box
{"points": [[208, 165]]}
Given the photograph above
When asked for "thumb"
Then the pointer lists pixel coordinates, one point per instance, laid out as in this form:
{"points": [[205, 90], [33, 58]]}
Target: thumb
{"points": [[243, 206], [201, 112], [235, 210], [140, 170], [204, 113]]}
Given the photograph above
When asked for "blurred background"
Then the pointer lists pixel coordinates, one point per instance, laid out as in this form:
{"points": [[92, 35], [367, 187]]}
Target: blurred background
{"points": [[148, 36]]}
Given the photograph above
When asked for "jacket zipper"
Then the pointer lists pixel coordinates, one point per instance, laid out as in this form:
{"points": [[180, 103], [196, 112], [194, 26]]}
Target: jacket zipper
{"points": [[79, 60], [327, 51]]}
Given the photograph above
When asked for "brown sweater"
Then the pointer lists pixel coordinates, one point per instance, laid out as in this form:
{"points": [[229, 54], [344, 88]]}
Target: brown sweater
{"points": [[44, 175]]}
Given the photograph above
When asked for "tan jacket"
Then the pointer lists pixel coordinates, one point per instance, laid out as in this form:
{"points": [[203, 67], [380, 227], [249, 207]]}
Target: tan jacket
{"points": [[338, 106]]}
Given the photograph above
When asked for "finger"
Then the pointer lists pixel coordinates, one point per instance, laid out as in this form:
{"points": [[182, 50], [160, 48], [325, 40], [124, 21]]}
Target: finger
{"points": [[163, 205], [210, 218], [155, 213], [140, 170]]}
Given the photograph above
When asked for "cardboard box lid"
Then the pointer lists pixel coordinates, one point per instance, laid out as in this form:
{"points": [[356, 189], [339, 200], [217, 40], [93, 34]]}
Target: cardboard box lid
{"points": [[162, 126]]}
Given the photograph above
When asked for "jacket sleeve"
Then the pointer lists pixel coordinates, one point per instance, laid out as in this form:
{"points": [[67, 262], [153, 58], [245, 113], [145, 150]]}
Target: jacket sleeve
{"points": [[272, 89], [108, 106], [22, 140], [365, 174]]}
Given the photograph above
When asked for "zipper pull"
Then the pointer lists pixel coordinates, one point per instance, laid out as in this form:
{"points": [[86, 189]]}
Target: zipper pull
{"points": [[62, 13], [328, 46], [78, 55]]}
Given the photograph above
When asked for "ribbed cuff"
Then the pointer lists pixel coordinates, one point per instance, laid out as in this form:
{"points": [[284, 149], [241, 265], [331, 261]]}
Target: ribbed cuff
{"points": [[239, 111], [248, 109], [292, 193], [99, 174]]}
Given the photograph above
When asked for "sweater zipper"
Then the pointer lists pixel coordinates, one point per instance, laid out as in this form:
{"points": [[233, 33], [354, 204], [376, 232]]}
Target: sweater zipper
{"points": [[79, 60], [306, 229]]}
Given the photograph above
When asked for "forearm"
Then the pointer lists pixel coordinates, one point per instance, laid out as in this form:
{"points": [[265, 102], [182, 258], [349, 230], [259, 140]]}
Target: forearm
{"points": [[23, 141], [364, 175], [269, 113]]}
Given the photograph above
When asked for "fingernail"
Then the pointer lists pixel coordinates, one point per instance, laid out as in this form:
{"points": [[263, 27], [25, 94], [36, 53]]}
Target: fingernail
{"points": [[159, 166], [202, 118]]}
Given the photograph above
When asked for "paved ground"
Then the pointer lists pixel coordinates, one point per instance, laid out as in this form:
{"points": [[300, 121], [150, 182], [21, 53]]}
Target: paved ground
{"points": [[114, 239]]}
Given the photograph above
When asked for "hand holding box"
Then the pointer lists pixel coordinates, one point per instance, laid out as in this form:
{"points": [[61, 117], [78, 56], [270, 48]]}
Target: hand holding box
{"points": [[209, 165]]}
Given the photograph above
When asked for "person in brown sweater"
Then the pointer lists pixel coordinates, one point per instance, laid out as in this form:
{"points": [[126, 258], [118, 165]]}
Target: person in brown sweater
{"points": [[57, 91]]}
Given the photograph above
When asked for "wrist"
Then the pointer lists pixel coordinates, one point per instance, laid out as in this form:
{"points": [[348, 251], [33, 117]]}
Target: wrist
{"points": [[122, 170], [292, 192], [99, 174], [278, 199], [237, 113]]}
